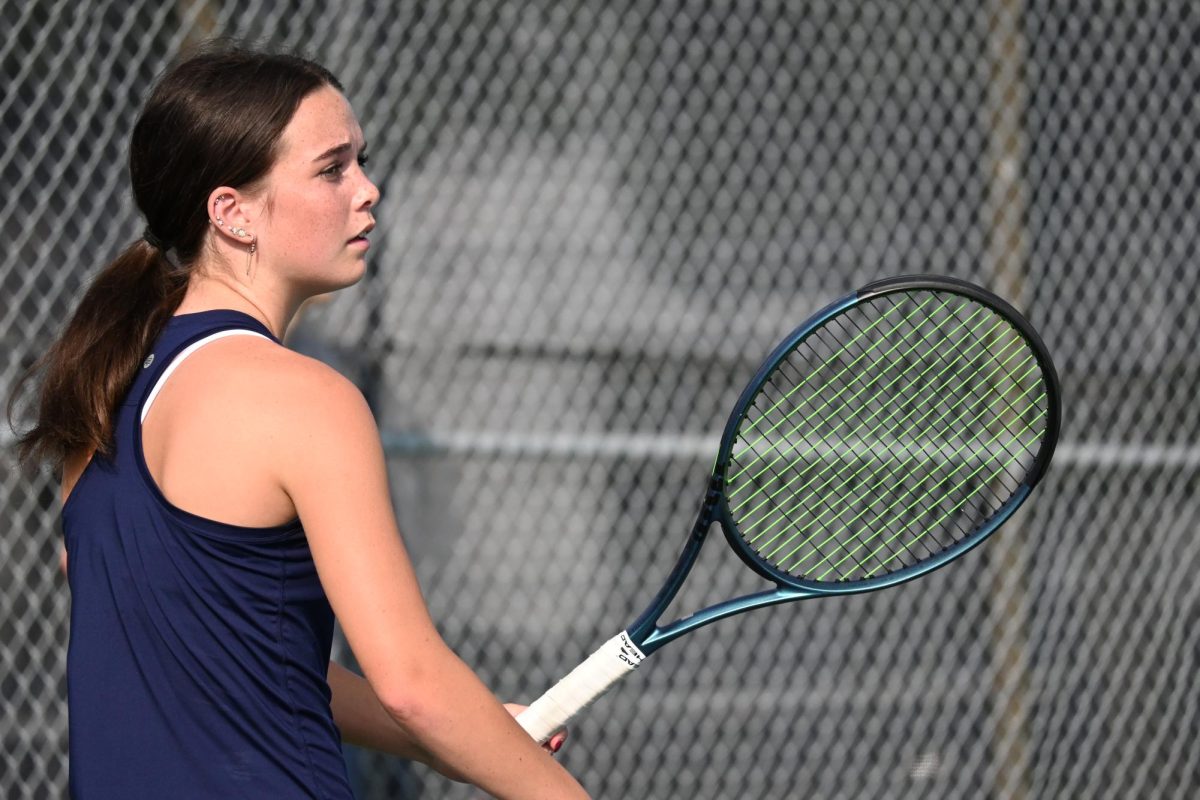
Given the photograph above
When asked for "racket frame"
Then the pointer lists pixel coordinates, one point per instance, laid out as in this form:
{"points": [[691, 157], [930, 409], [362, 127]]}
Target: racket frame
{"points": [[649, 636]]}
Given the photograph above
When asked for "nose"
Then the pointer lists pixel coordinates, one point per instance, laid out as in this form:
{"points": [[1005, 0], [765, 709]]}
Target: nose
{"points": [[368, 194]]}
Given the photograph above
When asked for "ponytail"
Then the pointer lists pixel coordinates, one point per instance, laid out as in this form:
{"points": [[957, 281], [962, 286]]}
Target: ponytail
{"points": [[87, 372], [213, 120]]}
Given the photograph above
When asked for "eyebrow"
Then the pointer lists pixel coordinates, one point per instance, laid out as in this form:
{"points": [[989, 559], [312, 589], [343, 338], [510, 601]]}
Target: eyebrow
{"points": [[338, 150]]}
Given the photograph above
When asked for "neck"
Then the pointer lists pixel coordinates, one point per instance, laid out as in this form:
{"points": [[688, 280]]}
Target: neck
{"points": [[215, 290]]}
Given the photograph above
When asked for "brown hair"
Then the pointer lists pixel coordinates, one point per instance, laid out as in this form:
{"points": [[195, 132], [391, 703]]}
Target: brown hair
{"points": [[213, 120]]}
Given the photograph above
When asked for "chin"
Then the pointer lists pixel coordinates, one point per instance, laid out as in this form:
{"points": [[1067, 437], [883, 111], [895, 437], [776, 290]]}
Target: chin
{"points": [[345, 276]]}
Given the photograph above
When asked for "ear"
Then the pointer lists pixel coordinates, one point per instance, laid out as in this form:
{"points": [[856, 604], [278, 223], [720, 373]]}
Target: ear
{"points": [[230, 213]]}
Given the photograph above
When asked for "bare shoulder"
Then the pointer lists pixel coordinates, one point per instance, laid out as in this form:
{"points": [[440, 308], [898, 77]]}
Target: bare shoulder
{"points": [[245, 429], [297, 420], [271, 386]]}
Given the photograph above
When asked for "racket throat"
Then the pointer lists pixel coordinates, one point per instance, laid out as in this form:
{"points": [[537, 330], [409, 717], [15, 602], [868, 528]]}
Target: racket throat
{"points": [[660, 636], [644, 629]]}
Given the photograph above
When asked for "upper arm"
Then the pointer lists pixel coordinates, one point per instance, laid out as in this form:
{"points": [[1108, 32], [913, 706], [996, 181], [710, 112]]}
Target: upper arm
{"points": [[331, 463]]}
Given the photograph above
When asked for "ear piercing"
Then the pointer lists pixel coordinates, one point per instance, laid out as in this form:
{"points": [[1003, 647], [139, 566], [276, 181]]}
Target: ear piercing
{"points": [[239, 232], [219, 199], [250, 255]]}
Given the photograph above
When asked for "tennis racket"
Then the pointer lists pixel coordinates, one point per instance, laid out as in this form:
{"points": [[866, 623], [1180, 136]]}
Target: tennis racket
{"points": [[886, 436]]}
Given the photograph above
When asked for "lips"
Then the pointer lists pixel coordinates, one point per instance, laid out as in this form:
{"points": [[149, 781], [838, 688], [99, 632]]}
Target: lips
{"points": [[362, 236]]}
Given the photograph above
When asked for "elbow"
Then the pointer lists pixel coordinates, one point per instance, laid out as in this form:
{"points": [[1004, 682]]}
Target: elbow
{"points": [[411, 708], [421, 719], [414, 692]]}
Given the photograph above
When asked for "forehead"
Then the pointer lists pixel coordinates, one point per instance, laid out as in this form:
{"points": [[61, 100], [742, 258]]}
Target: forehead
{"points": [[323, 120]]}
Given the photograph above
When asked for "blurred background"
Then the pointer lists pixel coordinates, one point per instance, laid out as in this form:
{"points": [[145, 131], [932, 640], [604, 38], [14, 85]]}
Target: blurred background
{"points": [[597, 217]]}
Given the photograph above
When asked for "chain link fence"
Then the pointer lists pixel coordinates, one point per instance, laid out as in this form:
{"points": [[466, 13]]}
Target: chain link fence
{"points": [[597, 217]]}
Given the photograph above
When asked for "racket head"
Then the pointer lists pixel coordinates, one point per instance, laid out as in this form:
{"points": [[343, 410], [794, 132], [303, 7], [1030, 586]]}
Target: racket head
{"points": [[887, 435]]}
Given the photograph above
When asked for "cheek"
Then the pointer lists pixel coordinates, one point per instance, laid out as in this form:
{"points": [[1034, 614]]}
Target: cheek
{"points": [[305, 226]]}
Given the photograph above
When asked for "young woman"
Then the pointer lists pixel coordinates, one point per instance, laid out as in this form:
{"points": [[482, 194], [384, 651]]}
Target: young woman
{"points": [[224, 497]]}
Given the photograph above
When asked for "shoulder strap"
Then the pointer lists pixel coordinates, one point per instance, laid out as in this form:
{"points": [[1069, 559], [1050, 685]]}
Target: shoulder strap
{"points": [[184, 353]]}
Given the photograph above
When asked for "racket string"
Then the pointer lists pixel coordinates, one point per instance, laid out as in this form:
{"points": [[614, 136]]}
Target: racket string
{"points": [[919, 501], [804, 382], [805, 486], [828, 401], [880, 515], [888, 470], [808, 418], [875, 415], [870, 476], [916, 501], [950, 511], [835, 414], [894, 423], [871, 432]]}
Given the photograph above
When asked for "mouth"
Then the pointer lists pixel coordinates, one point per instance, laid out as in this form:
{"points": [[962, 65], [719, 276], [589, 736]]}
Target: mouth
{"points": [[361, 238]]}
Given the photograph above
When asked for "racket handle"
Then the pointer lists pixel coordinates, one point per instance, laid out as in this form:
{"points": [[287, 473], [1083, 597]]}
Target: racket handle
{"points": [[615, 659]]}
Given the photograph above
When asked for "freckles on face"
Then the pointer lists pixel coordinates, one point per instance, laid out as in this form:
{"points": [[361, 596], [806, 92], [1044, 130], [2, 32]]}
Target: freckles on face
{"points": [[318, 198]]}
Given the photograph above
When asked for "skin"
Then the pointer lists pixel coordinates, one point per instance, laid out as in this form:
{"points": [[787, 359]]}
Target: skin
{"points": [[250, 433]]}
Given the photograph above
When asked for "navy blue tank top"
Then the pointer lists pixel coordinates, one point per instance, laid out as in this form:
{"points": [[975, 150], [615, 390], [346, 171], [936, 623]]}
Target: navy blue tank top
{"points": [[199, 650]]}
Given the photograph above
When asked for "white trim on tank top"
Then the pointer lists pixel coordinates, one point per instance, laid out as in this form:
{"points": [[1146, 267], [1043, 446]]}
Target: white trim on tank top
{"points": [[184, 353]]}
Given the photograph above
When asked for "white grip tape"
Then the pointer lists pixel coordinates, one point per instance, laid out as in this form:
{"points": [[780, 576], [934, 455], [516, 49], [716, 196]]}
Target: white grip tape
{"points": [[615, 659]]}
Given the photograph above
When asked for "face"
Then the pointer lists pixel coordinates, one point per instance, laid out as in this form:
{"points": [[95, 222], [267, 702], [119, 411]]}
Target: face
{"points": [[316, 200]]}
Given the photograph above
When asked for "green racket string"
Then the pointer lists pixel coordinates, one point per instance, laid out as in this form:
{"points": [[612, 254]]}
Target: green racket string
{"points": [[804, 490], [784, 516], [953, 510], [920, 501], [846, 525], [878, 452], [832, 357], [815, 445], [829, 401]]}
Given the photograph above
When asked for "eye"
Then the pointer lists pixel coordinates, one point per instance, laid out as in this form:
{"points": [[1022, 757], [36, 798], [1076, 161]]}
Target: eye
{"points": [[363, 159], [333, 170]]}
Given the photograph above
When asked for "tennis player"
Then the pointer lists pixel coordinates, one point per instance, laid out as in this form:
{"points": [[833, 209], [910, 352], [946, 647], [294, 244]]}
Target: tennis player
{"points": [[226, 498]]}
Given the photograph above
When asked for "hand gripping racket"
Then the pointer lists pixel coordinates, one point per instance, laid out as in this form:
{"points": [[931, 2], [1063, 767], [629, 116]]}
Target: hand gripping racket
{"points": [[886, 436]]}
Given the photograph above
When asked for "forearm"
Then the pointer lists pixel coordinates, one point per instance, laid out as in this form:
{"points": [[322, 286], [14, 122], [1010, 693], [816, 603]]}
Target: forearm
{"points": [[467, 733], [365, 722]]}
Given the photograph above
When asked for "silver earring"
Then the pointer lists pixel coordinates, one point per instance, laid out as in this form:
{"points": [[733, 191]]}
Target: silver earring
{"points": [[220, 221], [250, 254], [238, 231]]}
